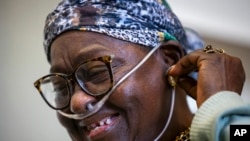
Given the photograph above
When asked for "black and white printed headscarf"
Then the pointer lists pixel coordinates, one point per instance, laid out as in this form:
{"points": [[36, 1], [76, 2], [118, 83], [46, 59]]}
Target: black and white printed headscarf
{"points": [[145, 22]]}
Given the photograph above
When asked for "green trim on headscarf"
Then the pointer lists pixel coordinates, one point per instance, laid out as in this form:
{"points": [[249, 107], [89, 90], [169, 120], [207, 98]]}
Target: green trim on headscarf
{"points": [[164, 2], [168, 36]]}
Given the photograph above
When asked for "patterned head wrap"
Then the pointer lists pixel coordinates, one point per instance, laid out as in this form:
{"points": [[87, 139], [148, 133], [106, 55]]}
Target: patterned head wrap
{"points": [[145, 22]]}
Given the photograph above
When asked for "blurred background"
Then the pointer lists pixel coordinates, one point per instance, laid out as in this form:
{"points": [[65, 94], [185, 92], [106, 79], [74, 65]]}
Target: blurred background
{"points": [[25, 116]]}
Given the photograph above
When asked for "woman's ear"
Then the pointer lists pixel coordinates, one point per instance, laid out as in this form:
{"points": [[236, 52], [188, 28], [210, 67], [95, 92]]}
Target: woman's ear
{"points": [[171, 52]]}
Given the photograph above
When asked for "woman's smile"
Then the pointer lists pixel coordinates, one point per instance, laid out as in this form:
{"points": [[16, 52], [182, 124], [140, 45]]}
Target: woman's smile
{"points": [[98, 127], [129, 113]]}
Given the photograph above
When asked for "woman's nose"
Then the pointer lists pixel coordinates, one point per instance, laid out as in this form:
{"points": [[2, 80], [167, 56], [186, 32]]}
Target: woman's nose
{"points": [[81, 102]]}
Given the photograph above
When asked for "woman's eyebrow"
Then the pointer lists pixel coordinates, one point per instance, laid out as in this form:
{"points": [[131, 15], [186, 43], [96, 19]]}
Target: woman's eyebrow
{"points": [[91, 52], [84, 55]]}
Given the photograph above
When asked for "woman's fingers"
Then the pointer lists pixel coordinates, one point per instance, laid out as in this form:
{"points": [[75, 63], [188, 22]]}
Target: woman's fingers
{"points": [[185, 65], [189, 85], [216, 72]]}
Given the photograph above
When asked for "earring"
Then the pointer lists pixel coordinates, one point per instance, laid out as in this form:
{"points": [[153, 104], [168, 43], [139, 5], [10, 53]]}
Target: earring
{"points": [[171, 79]]}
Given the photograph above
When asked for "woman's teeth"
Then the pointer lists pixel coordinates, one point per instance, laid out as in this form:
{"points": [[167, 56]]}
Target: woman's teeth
{"points": [[103, 122]]}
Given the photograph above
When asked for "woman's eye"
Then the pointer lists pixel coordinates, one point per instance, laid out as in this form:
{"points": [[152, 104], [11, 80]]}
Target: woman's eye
{"points": [[60, 87], [92, 73], [96, 73]]}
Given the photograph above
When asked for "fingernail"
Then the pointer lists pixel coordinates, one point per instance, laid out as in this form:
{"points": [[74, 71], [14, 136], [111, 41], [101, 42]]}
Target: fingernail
{"points": [[170, 69]]}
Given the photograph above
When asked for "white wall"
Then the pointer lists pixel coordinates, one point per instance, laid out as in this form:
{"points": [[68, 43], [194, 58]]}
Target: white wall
{"points": [[24, 116], [220, 19]]}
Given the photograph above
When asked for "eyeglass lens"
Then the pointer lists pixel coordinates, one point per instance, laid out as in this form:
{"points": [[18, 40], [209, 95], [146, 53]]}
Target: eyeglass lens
{"points": [[55, 91], [94, 77]]}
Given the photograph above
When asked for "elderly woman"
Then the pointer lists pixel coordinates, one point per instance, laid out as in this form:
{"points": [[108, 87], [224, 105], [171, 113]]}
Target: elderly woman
{"points": [[120, 71]]}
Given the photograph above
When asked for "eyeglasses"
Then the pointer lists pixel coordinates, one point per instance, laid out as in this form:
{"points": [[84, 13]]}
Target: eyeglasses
{"points": [[94, 76], [98, 82]]}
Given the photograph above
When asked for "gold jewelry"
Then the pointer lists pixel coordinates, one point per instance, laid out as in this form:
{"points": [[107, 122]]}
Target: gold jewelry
{"points": [[220, 50], [172, 81], [184, 136], [210, 49]]}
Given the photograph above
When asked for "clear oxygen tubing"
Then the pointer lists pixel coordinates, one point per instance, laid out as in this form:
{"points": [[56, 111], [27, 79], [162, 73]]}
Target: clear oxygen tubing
{"points": [[94, 109], [169, 116]]}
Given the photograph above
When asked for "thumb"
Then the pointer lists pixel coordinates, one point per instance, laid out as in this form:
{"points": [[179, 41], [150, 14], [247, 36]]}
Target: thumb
{"points": [[189, 85]]}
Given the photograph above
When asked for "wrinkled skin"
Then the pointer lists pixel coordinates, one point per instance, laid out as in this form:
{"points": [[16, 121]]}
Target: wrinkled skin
{"points": [[141, 103]]}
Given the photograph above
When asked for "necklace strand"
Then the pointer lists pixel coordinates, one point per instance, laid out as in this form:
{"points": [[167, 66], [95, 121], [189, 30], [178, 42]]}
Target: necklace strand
{"points": [[184, 136]]}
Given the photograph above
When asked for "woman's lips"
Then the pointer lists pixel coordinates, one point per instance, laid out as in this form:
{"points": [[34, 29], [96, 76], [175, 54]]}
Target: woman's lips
{"points": [[101, 127]]}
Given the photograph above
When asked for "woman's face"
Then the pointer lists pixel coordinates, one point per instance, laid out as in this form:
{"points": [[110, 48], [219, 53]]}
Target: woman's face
{"points": [[136, 110]]}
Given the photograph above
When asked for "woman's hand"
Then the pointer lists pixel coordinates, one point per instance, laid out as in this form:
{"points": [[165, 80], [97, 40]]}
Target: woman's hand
{"points": [[216, 72]]}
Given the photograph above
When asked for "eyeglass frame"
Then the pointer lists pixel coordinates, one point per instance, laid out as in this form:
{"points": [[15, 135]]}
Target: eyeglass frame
{"points": [[100, 103], [107, 60]]}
